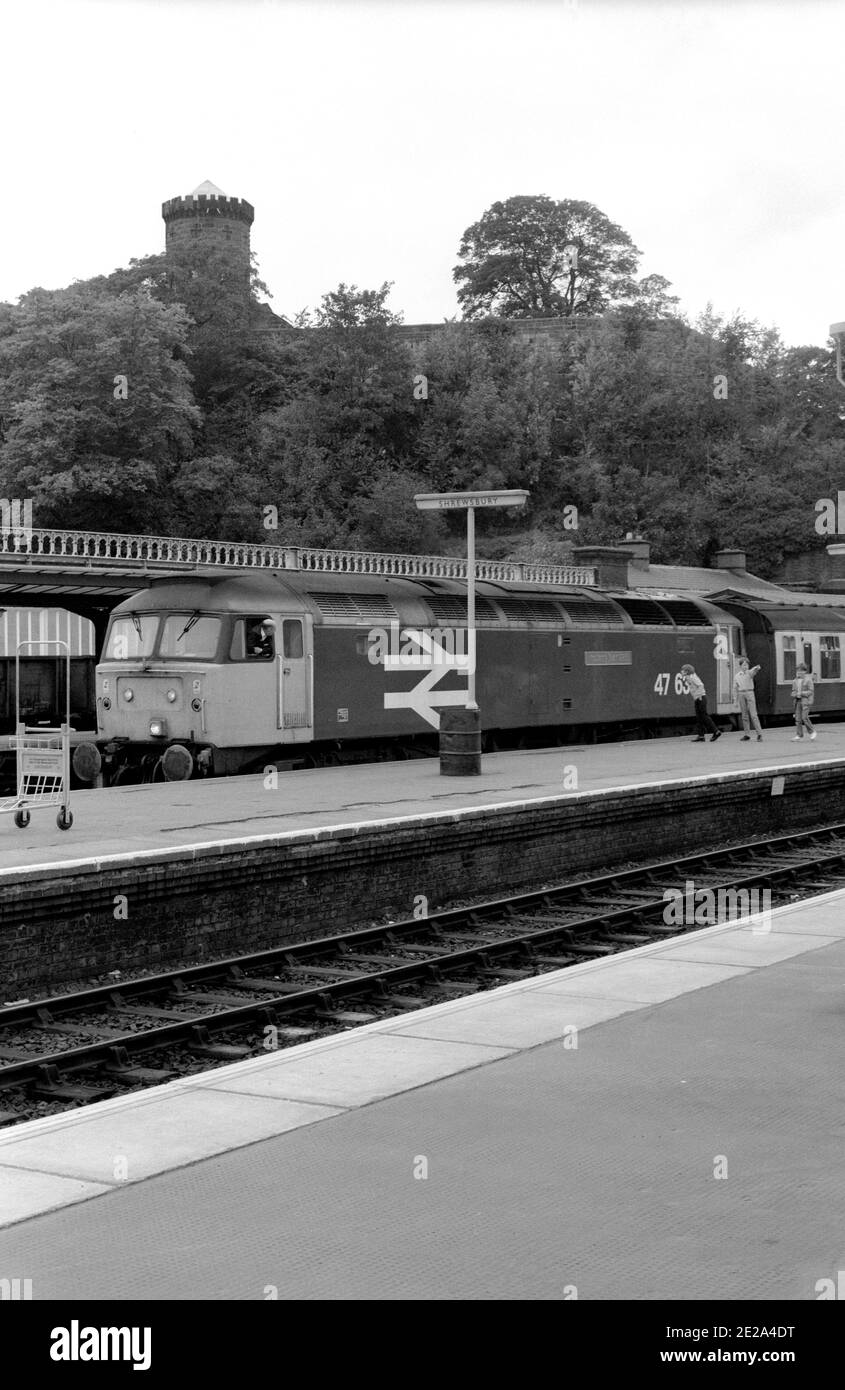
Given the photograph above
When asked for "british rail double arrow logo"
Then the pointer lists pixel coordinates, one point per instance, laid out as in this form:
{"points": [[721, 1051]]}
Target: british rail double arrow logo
{"points": [[436, 660]]}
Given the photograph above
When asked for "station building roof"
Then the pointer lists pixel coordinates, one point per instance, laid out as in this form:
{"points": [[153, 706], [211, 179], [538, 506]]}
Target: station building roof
{"points": [[707, 582]]}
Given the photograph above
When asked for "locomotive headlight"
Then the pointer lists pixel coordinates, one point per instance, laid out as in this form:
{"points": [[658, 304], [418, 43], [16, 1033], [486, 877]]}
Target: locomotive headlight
{"points": [[106, 702], [171, 695], [129, 695], [158, 728], [196, 706]]}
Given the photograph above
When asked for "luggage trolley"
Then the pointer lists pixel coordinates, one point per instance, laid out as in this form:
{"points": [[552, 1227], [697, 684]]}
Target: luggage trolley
{"points": [[43, 755]]}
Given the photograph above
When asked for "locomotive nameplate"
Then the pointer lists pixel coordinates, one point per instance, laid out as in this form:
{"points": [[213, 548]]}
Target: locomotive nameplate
{"points": [[599, 658]]}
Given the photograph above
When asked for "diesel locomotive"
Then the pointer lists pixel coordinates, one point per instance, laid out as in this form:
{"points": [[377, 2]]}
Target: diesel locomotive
{"points": [[221, 676]]}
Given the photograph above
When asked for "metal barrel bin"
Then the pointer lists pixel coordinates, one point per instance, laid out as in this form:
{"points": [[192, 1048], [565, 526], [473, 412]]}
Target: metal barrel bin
{"points": [[460, 743]]}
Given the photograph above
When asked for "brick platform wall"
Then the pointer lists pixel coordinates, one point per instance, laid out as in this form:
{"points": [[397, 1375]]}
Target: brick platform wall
{"points": [[196, 905]]}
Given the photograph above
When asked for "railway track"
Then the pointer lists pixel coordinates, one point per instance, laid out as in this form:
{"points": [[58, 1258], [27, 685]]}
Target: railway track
{"points": [[77, 1048]]}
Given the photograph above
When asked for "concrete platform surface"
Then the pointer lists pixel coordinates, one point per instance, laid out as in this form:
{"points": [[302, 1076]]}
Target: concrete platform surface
{"points": [[145, 821], [663, 1124]]}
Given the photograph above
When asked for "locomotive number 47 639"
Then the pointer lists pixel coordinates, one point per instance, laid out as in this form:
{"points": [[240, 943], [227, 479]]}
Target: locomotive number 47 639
{"points": [[661, 685]]}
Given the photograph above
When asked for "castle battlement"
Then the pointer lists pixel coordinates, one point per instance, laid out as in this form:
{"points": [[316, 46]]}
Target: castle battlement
{"points": [[208, 205]]}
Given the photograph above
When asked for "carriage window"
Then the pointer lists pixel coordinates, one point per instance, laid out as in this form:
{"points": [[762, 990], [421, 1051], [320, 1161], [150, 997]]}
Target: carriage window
{"points": [[131, 637], [190, 635], [790, 660], [253, 640], [292, 634], [830, 660]]}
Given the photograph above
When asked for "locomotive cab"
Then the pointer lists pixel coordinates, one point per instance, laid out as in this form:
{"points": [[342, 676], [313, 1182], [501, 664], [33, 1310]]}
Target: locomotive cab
{"points": [[202, 683]]}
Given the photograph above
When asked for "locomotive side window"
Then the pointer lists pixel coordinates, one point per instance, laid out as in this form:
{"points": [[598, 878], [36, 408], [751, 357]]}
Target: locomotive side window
{"points": [[292, 637], [190, 635], [790, 659], [830, 658], [131, 637], [253, 640]]}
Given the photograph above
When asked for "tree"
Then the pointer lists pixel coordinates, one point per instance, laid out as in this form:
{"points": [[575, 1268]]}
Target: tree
{"points": [[339, 455], [96, 406], [652, 297], [487, 418], [241, 367], [518, 260]]}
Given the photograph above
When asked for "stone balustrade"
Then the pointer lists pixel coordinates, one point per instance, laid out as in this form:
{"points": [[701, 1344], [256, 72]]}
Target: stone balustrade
{"points": [[101, 549]]}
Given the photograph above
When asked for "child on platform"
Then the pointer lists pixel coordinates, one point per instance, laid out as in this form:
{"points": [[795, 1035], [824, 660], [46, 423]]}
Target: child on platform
{"points": [[803, 690]]}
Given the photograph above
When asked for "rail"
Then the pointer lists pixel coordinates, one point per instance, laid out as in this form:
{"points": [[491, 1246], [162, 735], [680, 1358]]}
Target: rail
{"points": [[102, 549], [306, 988]]}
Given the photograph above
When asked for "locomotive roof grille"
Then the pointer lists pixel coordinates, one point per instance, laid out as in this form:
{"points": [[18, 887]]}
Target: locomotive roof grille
{"points": [[370, 608], [527, 610], [685, 613], [583, 610], [644, 612], [449, 608]]}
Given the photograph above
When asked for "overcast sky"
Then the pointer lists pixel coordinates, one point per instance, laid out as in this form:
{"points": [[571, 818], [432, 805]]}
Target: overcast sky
{"points": [[368, 136]]}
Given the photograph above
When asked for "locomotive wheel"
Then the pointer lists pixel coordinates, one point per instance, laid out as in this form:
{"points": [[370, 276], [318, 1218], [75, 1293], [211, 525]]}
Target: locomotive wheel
{"points": [[22, 819], [64, 820]]}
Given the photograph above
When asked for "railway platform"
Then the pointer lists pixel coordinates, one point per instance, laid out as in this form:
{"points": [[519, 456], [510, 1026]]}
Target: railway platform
{"points": [[663, 1124], [140, 821], [154, 876]]}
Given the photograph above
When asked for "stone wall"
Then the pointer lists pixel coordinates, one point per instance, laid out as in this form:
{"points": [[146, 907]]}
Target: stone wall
{"points": [[218, 901]]}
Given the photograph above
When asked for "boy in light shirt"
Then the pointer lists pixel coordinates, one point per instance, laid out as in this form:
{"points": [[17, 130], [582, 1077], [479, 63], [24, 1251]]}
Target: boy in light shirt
{"points": [[803, 690], [744, 687], [695, 686]]}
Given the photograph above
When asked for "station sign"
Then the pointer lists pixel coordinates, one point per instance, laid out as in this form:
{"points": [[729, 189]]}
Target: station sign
{"points": [[450, 501]]}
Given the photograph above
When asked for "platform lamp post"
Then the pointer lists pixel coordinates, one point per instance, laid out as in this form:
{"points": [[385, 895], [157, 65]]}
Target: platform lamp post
{"points": [[460, 734]]}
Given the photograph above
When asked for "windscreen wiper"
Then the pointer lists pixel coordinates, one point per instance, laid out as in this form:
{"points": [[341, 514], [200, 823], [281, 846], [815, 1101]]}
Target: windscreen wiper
{"points": [[194, 618]]}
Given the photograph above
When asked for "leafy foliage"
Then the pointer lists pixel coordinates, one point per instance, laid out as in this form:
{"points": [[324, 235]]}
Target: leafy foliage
{"points": [[337, 423], [518, 260], [86, 456]]}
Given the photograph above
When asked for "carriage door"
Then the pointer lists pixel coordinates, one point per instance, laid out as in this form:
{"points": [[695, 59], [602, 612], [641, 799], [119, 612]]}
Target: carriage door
{"points": [[729, 650], [295, 674]]}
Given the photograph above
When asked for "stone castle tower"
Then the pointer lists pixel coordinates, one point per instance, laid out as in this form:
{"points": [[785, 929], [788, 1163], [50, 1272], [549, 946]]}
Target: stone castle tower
{"points": [[208, 218]]}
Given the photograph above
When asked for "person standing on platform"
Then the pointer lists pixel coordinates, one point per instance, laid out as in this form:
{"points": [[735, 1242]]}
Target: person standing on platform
{"points": [[803, 691], [695, 686], [744, 687]]}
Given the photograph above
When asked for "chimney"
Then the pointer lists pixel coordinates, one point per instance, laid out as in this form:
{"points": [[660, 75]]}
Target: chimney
{"points": [[729, 560], [639, 549], [610, 564]]}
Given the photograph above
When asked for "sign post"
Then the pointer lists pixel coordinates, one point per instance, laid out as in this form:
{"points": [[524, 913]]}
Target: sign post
{"points": [[469, 501]]}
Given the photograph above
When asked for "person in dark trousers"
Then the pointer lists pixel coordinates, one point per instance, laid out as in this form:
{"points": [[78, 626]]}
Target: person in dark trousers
{"points": [[695, 686]]}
